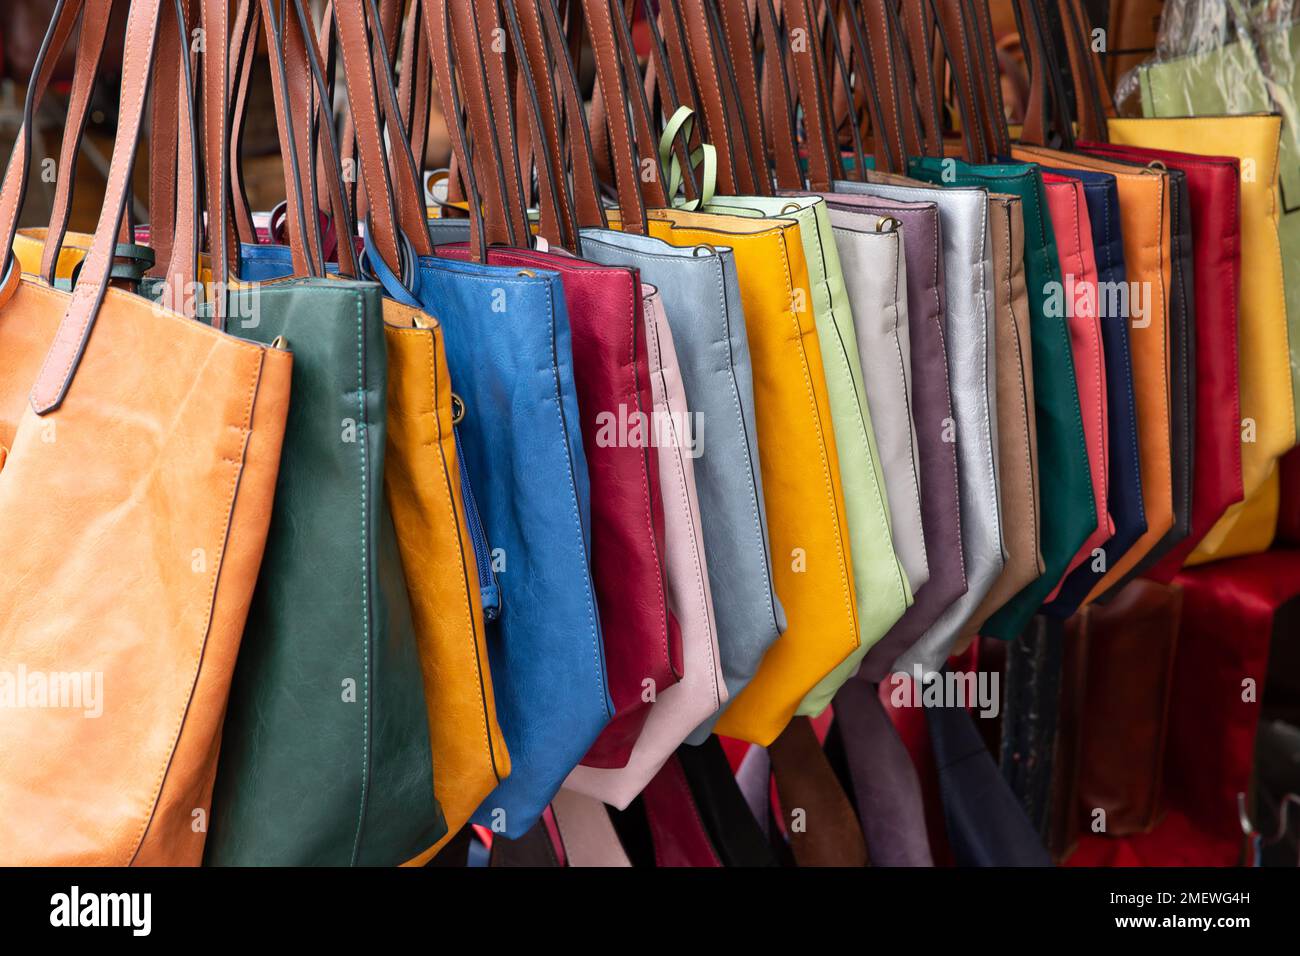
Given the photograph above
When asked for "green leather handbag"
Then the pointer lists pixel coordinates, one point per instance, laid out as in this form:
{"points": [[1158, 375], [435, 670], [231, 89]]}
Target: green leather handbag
{"points": [[326, 756]]}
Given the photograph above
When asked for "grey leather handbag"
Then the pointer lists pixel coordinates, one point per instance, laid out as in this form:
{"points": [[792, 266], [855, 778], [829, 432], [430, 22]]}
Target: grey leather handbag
{"points": [[969, 324]]}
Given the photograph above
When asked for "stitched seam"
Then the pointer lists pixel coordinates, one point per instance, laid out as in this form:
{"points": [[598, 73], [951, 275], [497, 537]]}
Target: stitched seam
{"points": [[364, 435], [679, 474], [454, 523], [820, 428], [879, 498], [1021, 408], [914, 485], [1099, 471], [764, 550]]}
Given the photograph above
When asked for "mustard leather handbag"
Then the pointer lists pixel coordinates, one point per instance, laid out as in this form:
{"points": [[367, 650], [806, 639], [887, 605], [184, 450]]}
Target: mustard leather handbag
{"points": [[798, 457]]}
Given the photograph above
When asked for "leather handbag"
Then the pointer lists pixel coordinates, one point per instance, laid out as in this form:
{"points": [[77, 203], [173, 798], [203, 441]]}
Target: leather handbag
{"points": [[875, 277], [105, 411], [749, 615], [1018, 491], [437, 526], [931, 409], [1120, 659], [1254, 74], [809, 538], [1215, 199], [1078, 299], [677, 710], [1124, 480], [884, 591], [970, 339], [644, 641], [1267, 426], [1144, 206], [522, 448], [328, 709]]}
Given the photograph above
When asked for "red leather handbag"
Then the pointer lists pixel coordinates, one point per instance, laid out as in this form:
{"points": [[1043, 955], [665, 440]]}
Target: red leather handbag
{"points": [[1215, 187], [1069, 212]]}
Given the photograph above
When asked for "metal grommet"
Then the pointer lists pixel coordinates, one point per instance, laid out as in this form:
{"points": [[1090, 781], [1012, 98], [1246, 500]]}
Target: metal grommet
{"points": [[888, 224], [1158, 164], [279, 342], [790, 207], [457, 409], [712, 251], [527, 272]]}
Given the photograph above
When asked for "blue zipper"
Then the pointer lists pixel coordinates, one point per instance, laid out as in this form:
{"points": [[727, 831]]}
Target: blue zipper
{"points": [[487, 579]]}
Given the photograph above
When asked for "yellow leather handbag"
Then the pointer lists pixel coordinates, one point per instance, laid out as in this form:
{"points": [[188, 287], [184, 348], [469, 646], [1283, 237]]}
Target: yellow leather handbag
{"points": [[800, 467], [1268, 427]]}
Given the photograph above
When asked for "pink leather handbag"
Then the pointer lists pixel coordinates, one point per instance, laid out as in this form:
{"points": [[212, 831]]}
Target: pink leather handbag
{"points": [[677, 710]]}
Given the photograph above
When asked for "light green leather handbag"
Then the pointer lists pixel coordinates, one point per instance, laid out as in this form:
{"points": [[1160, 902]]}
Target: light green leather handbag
{"points": [[882, 587]]}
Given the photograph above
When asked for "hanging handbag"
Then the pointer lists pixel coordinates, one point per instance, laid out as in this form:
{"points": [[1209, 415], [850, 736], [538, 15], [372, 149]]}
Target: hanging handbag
{"points": [[1215, 198], [96, 472], [881, 585], [931, 409], [1124, 480]]}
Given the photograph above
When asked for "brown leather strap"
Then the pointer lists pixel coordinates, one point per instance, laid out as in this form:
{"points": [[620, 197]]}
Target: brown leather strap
{"points": [[777, 101], [819, 818], [90, 48], [243, 52], [738, 37]]}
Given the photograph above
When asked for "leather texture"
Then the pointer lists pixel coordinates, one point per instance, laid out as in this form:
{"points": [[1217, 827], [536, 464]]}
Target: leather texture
{"points": [[1066, 507], [1073, 230], [643, 641], [524, 456], [886, 788], [1018, 492], [701, 297], [422, 481], [426, 493], [1124, 481], [932, 410], [677, 831], [875, 277], [819, 821], [805, 510], [1122, 659], [1267, 409], [1225, 83], [970, 337], [883, 590], [1144, 208], [327, 706], [1215, 198], [679, 709], [588, 836], [122, 788]]}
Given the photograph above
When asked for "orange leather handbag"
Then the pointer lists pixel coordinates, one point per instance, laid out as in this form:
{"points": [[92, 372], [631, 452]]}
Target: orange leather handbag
{"points": [[140, 467]]}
